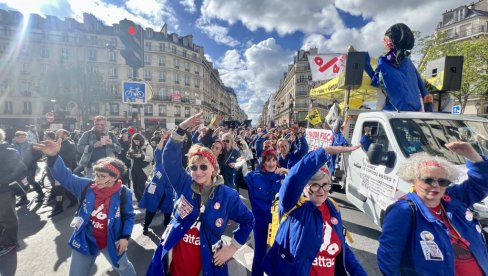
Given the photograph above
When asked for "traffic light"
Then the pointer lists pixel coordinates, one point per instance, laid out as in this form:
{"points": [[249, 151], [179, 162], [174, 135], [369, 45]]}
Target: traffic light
{"points": [[132, 37]]}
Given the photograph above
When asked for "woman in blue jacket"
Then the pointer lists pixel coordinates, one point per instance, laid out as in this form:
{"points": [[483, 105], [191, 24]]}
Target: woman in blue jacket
{"points": [[105, 218], [158, 194], [263, 185], [310, 240], [192, 242], [431, 231]]}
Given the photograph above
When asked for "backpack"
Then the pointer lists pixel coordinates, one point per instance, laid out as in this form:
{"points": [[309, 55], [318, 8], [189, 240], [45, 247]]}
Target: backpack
{"points": [[276, 220]]}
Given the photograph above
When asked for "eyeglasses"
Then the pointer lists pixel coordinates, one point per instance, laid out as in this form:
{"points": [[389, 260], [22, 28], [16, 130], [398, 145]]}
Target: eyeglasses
{"points": [[202, 167], [315, 187], [226, 141], [441, 181]]}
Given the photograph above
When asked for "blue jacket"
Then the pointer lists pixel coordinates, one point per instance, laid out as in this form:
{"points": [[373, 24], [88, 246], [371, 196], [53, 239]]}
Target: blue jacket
{"points": [[400, 244], [295, 154], [262, 189], [404, 86], [162, 197], [339, 140], [299, 237], [224, 205], [82, 239]]}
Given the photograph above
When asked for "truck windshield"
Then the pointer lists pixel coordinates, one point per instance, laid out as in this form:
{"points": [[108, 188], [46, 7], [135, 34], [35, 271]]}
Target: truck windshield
{"points": [[418, 135]]}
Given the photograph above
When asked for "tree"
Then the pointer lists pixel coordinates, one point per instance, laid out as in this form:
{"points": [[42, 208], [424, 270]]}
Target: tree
{"points": [[475, 67], [73, 84]]}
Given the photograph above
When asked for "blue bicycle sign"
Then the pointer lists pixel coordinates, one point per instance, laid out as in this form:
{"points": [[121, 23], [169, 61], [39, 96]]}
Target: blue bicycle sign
{"points": [[134, 92]]}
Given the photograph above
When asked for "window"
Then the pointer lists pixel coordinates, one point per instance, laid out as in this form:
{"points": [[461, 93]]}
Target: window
{"points": [[130, 73], [64, 53], [147, 46], [114, 109], [45, 35], [65, 37], [302, 78], [92, 55], [187, 80], [44, 52], [113, 73], [163, 93], [7, 31], [177, 63], [187, 66], [113, 91], [187, 111], [149, 33], [374, 132], [25, 69], [177, 111], [197, 69], [162, 110], [174, 49], [161, 76], [27, 108], [94, 109], [162, 47], [112, 56], [162, 61], [147, 59], [24, 50], [147, 74], [177, 78], [148, 110], [197, 82], [8, 107], [194, 56], [184, 53]]}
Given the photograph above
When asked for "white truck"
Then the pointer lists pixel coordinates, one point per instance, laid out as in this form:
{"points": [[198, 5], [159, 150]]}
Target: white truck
{"points": [[369, 176]]}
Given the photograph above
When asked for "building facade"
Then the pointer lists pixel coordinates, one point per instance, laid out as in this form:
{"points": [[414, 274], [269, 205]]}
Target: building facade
{"points": [[38, 53], [292, 101]]}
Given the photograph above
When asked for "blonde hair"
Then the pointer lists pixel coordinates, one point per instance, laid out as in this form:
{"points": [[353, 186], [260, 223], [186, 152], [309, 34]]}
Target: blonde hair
{"points": [[412, 167]]}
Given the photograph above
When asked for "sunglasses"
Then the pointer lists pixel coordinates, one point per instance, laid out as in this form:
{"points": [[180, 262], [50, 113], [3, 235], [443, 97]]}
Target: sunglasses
{"points": [[226, 141], [202, 167], [441, 181], [315, 187]]}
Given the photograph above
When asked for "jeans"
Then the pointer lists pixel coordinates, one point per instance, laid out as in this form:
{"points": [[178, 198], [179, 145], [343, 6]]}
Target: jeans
{"points": [[82, 264]]}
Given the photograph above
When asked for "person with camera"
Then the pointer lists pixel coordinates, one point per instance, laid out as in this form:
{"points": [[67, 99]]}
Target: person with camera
{"points": [[95, 144], [141, 155], [192, 243]]}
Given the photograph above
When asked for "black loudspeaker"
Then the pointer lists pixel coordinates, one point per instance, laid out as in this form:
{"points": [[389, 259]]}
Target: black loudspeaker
{"points": [[445, 73], [354, 68]]}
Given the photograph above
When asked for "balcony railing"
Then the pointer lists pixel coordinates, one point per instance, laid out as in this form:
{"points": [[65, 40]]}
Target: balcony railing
{"points": [[467, 33]]}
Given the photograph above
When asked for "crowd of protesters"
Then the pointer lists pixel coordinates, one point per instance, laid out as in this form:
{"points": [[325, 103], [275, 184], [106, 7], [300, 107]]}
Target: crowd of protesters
{"points": [[193, 176]]}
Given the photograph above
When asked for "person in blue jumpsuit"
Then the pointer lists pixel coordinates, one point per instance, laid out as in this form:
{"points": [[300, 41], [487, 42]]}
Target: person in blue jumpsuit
{"points": [[227, 160], [289, 155], [104, 220], [395, 71], [263, 185], [304, 233], [204, 207], [158, 194], [431, 230]]}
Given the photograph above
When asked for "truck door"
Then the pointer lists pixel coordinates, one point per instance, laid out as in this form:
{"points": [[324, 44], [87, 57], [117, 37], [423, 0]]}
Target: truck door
{"points": [[367, 133]]}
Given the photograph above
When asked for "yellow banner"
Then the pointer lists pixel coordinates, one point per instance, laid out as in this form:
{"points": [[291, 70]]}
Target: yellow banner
{"points": [[437, 80], [314, 117]]}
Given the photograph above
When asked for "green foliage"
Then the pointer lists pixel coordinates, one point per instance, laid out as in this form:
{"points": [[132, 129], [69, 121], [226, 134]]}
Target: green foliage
{"points": [[475, 67], [73, 84]]}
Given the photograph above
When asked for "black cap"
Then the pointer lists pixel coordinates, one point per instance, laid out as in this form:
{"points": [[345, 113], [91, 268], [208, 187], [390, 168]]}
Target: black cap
{"points": [[401, 36]]}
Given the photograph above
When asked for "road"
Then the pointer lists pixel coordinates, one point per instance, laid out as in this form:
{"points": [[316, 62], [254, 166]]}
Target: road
{"points": [[43, 248]]}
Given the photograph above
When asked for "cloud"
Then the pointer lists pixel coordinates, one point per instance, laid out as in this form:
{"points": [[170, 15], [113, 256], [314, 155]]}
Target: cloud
{"points": [[275, 15], [219, 34], [254, 73], [189, 5]]}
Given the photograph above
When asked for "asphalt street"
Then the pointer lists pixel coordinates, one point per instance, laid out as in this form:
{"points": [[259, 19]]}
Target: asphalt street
{"points": [[43, 248]]}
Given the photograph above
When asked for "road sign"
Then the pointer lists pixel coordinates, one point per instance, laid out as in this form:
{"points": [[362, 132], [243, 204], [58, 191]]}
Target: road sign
{"points": [[50, 117], [134, 92], [456, 109]]}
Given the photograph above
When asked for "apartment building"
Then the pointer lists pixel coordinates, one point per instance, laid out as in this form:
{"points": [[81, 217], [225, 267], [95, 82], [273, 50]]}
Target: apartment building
{"points": [[37, 51]]}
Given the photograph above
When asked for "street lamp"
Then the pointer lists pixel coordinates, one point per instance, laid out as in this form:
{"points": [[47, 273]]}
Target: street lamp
{"points": [[477, 105]]}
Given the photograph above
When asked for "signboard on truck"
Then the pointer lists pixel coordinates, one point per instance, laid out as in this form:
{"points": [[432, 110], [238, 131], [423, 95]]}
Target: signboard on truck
{"points": [[317, 138], [378, 185]]}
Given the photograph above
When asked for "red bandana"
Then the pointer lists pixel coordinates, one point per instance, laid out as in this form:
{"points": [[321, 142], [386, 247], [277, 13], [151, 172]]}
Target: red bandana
{"points": [[110, 167], [209, 156]]}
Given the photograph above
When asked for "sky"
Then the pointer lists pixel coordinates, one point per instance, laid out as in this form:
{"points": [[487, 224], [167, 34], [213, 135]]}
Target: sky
{"points": [[251, 42]]}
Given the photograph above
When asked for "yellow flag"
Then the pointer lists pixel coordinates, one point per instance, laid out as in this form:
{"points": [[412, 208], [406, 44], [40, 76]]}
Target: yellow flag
{"points": [[314, 117], [214, 118]]}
